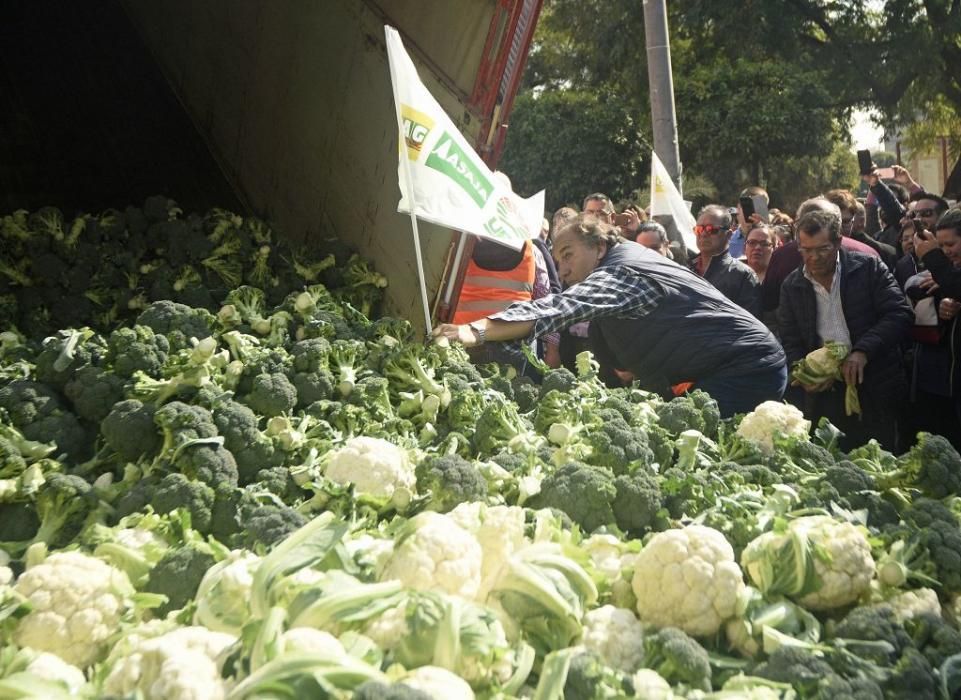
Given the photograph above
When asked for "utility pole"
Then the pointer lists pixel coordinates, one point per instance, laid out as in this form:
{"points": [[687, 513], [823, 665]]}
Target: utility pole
{"points": [[663, 116]]}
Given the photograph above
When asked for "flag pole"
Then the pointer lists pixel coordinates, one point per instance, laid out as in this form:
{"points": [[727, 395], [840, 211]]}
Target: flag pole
{"points": [[410, 183]]}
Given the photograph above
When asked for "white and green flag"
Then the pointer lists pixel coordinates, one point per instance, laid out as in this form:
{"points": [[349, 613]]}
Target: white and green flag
{"points": [[448, 182], [667, 201]]}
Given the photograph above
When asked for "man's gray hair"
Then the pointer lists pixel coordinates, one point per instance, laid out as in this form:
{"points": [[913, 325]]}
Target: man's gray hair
{"points": [[814, 221], [656, 228], [719, 213], [818, 204]]}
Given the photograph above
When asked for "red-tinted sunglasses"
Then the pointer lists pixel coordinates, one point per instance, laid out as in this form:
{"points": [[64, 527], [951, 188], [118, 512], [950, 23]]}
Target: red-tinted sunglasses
{"points": [[708, 228]]}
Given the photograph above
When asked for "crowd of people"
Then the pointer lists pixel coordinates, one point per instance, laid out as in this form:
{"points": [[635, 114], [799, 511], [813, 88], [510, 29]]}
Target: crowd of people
{"points": [[879, 275]]}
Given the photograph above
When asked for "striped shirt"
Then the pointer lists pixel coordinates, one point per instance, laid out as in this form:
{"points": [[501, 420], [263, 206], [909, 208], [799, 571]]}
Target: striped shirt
{"points": [[830, 324], [618, 291]]}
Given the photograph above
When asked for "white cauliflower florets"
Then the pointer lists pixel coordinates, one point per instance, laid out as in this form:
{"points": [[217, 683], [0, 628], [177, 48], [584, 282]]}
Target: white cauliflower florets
{"points": [[439, 683], [374, 466], [77, 602], [179, 665], [223, 597], [911, 604], [760, 425], [435, 553], [616, 635], [500, 532], [310, 639], [687, 578], [650, 685], [841, 556], [52, 668]]}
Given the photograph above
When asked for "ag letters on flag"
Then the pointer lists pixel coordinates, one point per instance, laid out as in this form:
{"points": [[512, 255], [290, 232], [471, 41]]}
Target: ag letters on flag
{"points": [[449, 183]]}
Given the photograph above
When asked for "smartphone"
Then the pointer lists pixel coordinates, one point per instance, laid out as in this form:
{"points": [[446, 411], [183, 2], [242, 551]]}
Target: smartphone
{"points": [[885, 173], [747, 207], [621, 219], [865, 163], [760, 208]]}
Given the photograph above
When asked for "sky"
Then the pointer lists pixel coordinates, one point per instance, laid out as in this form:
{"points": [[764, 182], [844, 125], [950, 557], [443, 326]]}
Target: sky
{"points": [[864, 134]]}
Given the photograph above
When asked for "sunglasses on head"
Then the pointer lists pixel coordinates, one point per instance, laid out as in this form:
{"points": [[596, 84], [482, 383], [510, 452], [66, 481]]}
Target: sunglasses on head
{"points": [[708, 228], [923, 213]]}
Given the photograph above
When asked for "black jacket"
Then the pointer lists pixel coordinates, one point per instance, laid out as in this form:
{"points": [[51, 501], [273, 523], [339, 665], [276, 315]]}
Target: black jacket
{"points": [[877, 314], [694, 333], [736, 281]]}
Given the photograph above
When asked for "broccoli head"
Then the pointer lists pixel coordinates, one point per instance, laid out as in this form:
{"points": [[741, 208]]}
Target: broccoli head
{"points": [[130, 431], [177, 491], [561, 379], [800, 667], [637, 502], [589, 677], [678, 658], [252, 450], [93, 391], [65, 353], [450, 479], [934, 637], [279, 481], [137, 349], [911, 677], [271, 394], [39, 414], [266, 525], [932, 465], [178, 322], [65, 505], [585, 493], [178, 575], [695, 410], [212, 464], [875, 623], [181, 423]]}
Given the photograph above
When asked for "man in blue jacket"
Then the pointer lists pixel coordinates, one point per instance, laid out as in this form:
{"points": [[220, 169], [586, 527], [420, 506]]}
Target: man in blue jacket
{"points": [[852, 299]]}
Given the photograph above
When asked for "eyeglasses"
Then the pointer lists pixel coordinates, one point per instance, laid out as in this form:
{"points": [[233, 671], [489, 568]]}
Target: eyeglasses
{"points": [[758, 244], [708, 229], [819, 252], [921, 213]]}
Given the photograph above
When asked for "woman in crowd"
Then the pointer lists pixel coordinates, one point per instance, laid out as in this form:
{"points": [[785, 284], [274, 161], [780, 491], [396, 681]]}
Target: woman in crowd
{"points": [[758, 248]]}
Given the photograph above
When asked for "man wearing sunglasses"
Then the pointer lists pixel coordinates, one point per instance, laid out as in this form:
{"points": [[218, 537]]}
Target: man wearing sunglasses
{"points": [[731, 277], [927, 208]]}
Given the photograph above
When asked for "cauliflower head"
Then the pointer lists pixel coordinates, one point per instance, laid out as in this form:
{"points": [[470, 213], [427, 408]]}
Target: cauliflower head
{"points": [[915, 603], [439, 683], [52, 668], [77, 602], [650, 685], [821, 562], [771, 417], [616, 635], [374, 466], [500, 532], [687, 578], [435, 553], [223, 597], [179, 665]]}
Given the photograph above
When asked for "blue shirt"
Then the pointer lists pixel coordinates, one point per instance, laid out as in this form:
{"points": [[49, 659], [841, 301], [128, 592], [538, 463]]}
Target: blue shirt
{"points": [[736, 246]]}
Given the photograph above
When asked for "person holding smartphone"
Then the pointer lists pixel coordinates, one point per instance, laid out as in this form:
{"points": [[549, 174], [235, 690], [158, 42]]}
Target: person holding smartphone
{"points": [[748, 215]]}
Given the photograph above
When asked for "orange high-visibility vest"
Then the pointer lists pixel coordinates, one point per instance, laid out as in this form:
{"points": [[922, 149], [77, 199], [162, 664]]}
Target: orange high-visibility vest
{"points": [[486, 292]]}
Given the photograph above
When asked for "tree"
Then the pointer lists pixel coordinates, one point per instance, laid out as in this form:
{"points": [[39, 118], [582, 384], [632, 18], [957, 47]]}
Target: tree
{"points": [[573, 143]]}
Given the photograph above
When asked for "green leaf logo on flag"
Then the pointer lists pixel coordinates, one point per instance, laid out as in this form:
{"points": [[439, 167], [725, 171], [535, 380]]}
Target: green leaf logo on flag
{"points": [[451, 160]]}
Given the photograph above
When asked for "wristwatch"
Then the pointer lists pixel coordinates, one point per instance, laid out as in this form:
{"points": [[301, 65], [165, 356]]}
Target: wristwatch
{"points": [[480, 332]]}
